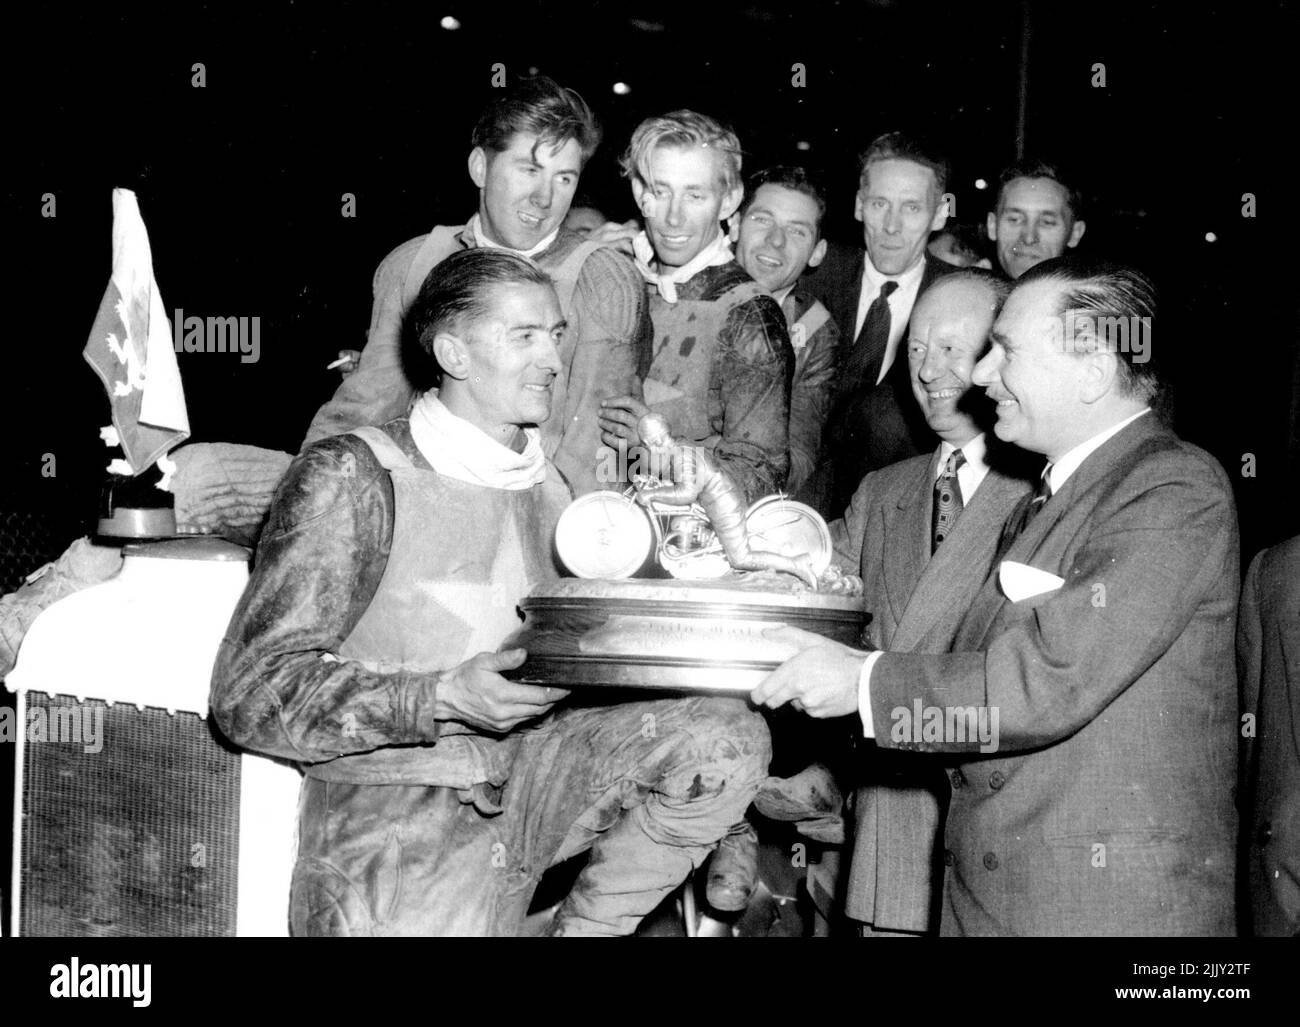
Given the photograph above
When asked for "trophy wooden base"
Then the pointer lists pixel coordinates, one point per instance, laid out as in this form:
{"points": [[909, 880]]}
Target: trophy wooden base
{"points": [[680, 635]]}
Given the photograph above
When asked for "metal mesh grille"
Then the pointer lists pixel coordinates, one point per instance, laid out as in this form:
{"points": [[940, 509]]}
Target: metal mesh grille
{"points": [[30, 538], [137, 840]]}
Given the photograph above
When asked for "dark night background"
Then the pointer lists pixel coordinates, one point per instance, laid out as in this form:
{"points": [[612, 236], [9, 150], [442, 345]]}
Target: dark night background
{"points": [[240, 182]]}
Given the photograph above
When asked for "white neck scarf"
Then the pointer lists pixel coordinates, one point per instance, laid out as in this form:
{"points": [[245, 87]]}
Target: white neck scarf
{"points": [[475, 231], [717, 252], [460, 450]]}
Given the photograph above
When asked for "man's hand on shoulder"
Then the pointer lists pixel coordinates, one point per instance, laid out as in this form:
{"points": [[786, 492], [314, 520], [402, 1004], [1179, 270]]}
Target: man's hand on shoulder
{"points": [[476, 694], [616, 236]]}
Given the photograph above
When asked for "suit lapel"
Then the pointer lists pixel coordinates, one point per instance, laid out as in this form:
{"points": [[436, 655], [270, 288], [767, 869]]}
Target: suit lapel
{"points": [[934, 268], [907, 539], [851, 292], [854, 292], [967, 552], [1101, 462], [927, 276]]}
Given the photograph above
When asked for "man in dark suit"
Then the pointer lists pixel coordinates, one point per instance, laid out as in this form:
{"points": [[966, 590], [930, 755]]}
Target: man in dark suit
{"points": [[1268, 659], [1038, 216], [1088, 709], [870, 294], [922, 533]]}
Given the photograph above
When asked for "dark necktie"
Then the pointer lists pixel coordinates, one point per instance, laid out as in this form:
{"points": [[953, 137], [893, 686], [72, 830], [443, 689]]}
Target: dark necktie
{"points": [[948, 503], [868, 352], [790, 308], [1026, 510], [798, 334]]}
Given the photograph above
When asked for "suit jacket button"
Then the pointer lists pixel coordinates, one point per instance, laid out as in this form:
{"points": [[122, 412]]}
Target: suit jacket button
{"points": [[990, 861], [956, 778], [1264, 833], [948, 858], [997, 779]]}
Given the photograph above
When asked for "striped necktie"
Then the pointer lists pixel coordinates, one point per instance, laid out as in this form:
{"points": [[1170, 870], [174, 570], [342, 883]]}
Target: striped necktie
{"points": [[1026, 510]]}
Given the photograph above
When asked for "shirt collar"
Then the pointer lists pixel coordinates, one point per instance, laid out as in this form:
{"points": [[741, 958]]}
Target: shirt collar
{"points": [[974, 450], [1061, 470], [912, 276], [474, 231]]}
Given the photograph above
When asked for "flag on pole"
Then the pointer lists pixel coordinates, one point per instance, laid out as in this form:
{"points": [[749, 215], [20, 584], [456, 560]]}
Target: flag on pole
{"points": [[130, 347]]}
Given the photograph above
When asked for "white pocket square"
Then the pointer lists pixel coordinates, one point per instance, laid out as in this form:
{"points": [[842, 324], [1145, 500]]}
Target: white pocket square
{"points": [[1020, 581]]}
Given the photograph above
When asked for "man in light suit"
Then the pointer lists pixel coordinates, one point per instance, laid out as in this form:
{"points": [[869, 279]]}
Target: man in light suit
{"points": [[922, 534], [1268, 658], [1091, 690], [870, 294]]}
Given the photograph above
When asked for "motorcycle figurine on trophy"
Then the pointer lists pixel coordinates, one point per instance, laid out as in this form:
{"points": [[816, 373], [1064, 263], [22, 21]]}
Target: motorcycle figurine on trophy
{"points": [[734, 573], [775, 534], [718, 517]]}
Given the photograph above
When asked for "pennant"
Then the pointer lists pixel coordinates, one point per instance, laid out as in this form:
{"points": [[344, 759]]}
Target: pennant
{"points": [[130, 349]]}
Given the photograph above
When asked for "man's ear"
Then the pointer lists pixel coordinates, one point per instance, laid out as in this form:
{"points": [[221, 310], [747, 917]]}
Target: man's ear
{"points": [[1100, 376], [478, 166], [857, 205], [640, 193], [452, 356], [940, 214], [733, 227], [731, 202], [991, 226], [818, 253], [1076, 233]]}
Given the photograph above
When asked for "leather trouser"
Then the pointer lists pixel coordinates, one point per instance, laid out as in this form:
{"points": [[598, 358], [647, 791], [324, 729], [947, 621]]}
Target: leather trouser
{"points": [[649, 787]]}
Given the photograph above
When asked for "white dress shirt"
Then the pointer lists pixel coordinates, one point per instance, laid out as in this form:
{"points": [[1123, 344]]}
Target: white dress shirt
{"points": [[900, 304], [1060, 471], [973, 471], [1056, 475]]}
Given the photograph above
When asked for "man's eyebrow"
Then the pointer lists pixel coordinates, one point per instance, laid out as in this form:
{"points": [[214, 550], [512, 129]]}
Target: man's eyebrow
{"points": [[706, 184], [539, 327], [921, 198], [530, 162]]}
